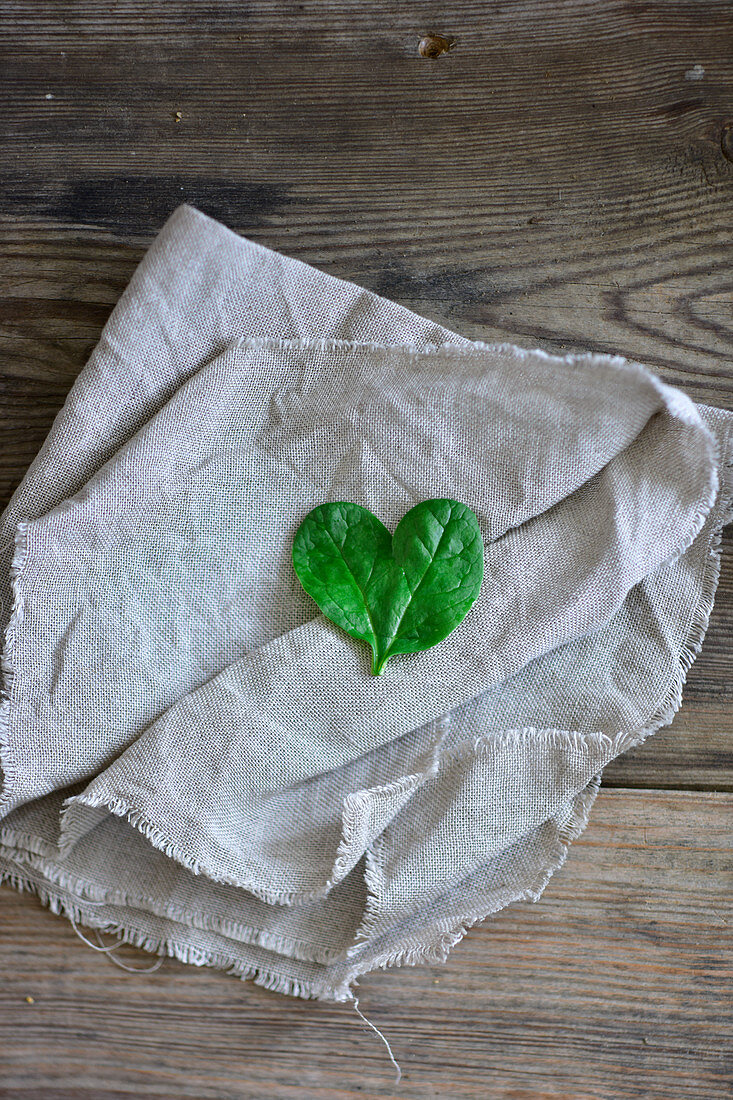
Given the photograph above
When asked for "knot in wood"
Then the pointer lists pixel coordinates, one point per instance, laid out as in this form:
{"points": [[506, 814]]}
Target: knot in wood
{"points": [[726, 141], [433, 45]]}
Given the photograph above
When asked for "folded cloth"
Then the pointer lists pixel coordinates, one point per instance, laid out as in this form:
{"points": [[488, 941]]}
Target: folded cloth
{"points": [[196, 759]]}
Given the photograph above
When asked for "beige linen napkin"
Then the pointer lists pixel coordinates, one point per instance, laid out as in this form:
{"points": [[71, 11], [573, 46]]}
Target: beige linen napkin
{"points": [[193, 757]]}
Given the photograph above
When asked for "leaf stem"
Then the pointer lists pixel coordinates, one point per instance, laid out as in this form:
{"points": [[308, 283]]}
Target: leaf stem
{"points": [[378, 663]]}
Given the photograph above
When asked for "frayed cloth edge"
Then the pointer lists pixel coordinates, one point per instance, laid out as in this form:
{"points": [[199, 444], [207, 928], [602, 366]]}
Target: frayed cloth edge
{"points": [[8, 767]]}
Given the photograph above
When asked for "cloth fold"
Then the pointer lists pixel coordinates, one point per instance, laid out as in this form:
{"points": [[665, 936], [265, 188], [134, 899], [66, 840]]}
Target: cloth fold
{"points": [[192, 756]]}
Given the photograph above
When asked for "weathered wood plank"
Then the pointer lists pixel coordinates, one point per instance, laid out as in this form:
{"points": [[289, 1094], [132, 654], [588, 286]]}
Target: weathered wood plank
{"points": [[614, 985], [560, 176], [563, 177]]}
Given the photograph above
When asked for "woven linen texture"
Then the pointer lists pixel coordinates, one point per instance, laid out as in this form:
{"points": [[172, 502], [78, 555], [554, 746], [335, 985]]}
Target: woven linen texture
{"points": [[193, 757]]}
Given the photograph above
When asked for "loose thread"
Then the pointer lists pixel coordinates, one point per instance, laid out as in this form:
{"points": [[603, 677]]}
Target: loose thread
{"points": [[83, 938], [374, 1028], [123, 966], [107, 949]]}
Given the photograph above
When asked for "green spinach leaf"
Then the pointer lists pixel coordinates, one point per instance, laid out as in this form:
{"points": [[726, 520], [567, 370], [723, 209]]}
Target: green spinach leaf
{"points": [[401, 594]]}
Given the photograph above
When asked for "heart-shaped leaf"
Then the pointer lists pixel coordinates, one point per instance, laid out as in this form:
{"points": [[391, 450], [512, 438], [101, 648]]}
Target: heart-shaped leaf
{"points": [[401, 594]]}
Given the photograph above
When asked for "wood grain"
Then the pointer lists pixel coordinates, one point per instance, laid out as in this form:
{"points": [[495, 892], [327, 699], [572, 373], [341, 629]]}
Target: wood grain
{"points": [[615, 985], [554, 178], [563, 178]]}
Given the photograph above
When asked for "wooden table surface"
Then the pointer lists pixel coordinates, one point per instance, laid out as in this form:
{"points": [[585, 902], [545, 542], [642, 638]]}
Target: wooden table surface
{"points": [[562, 177]]}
